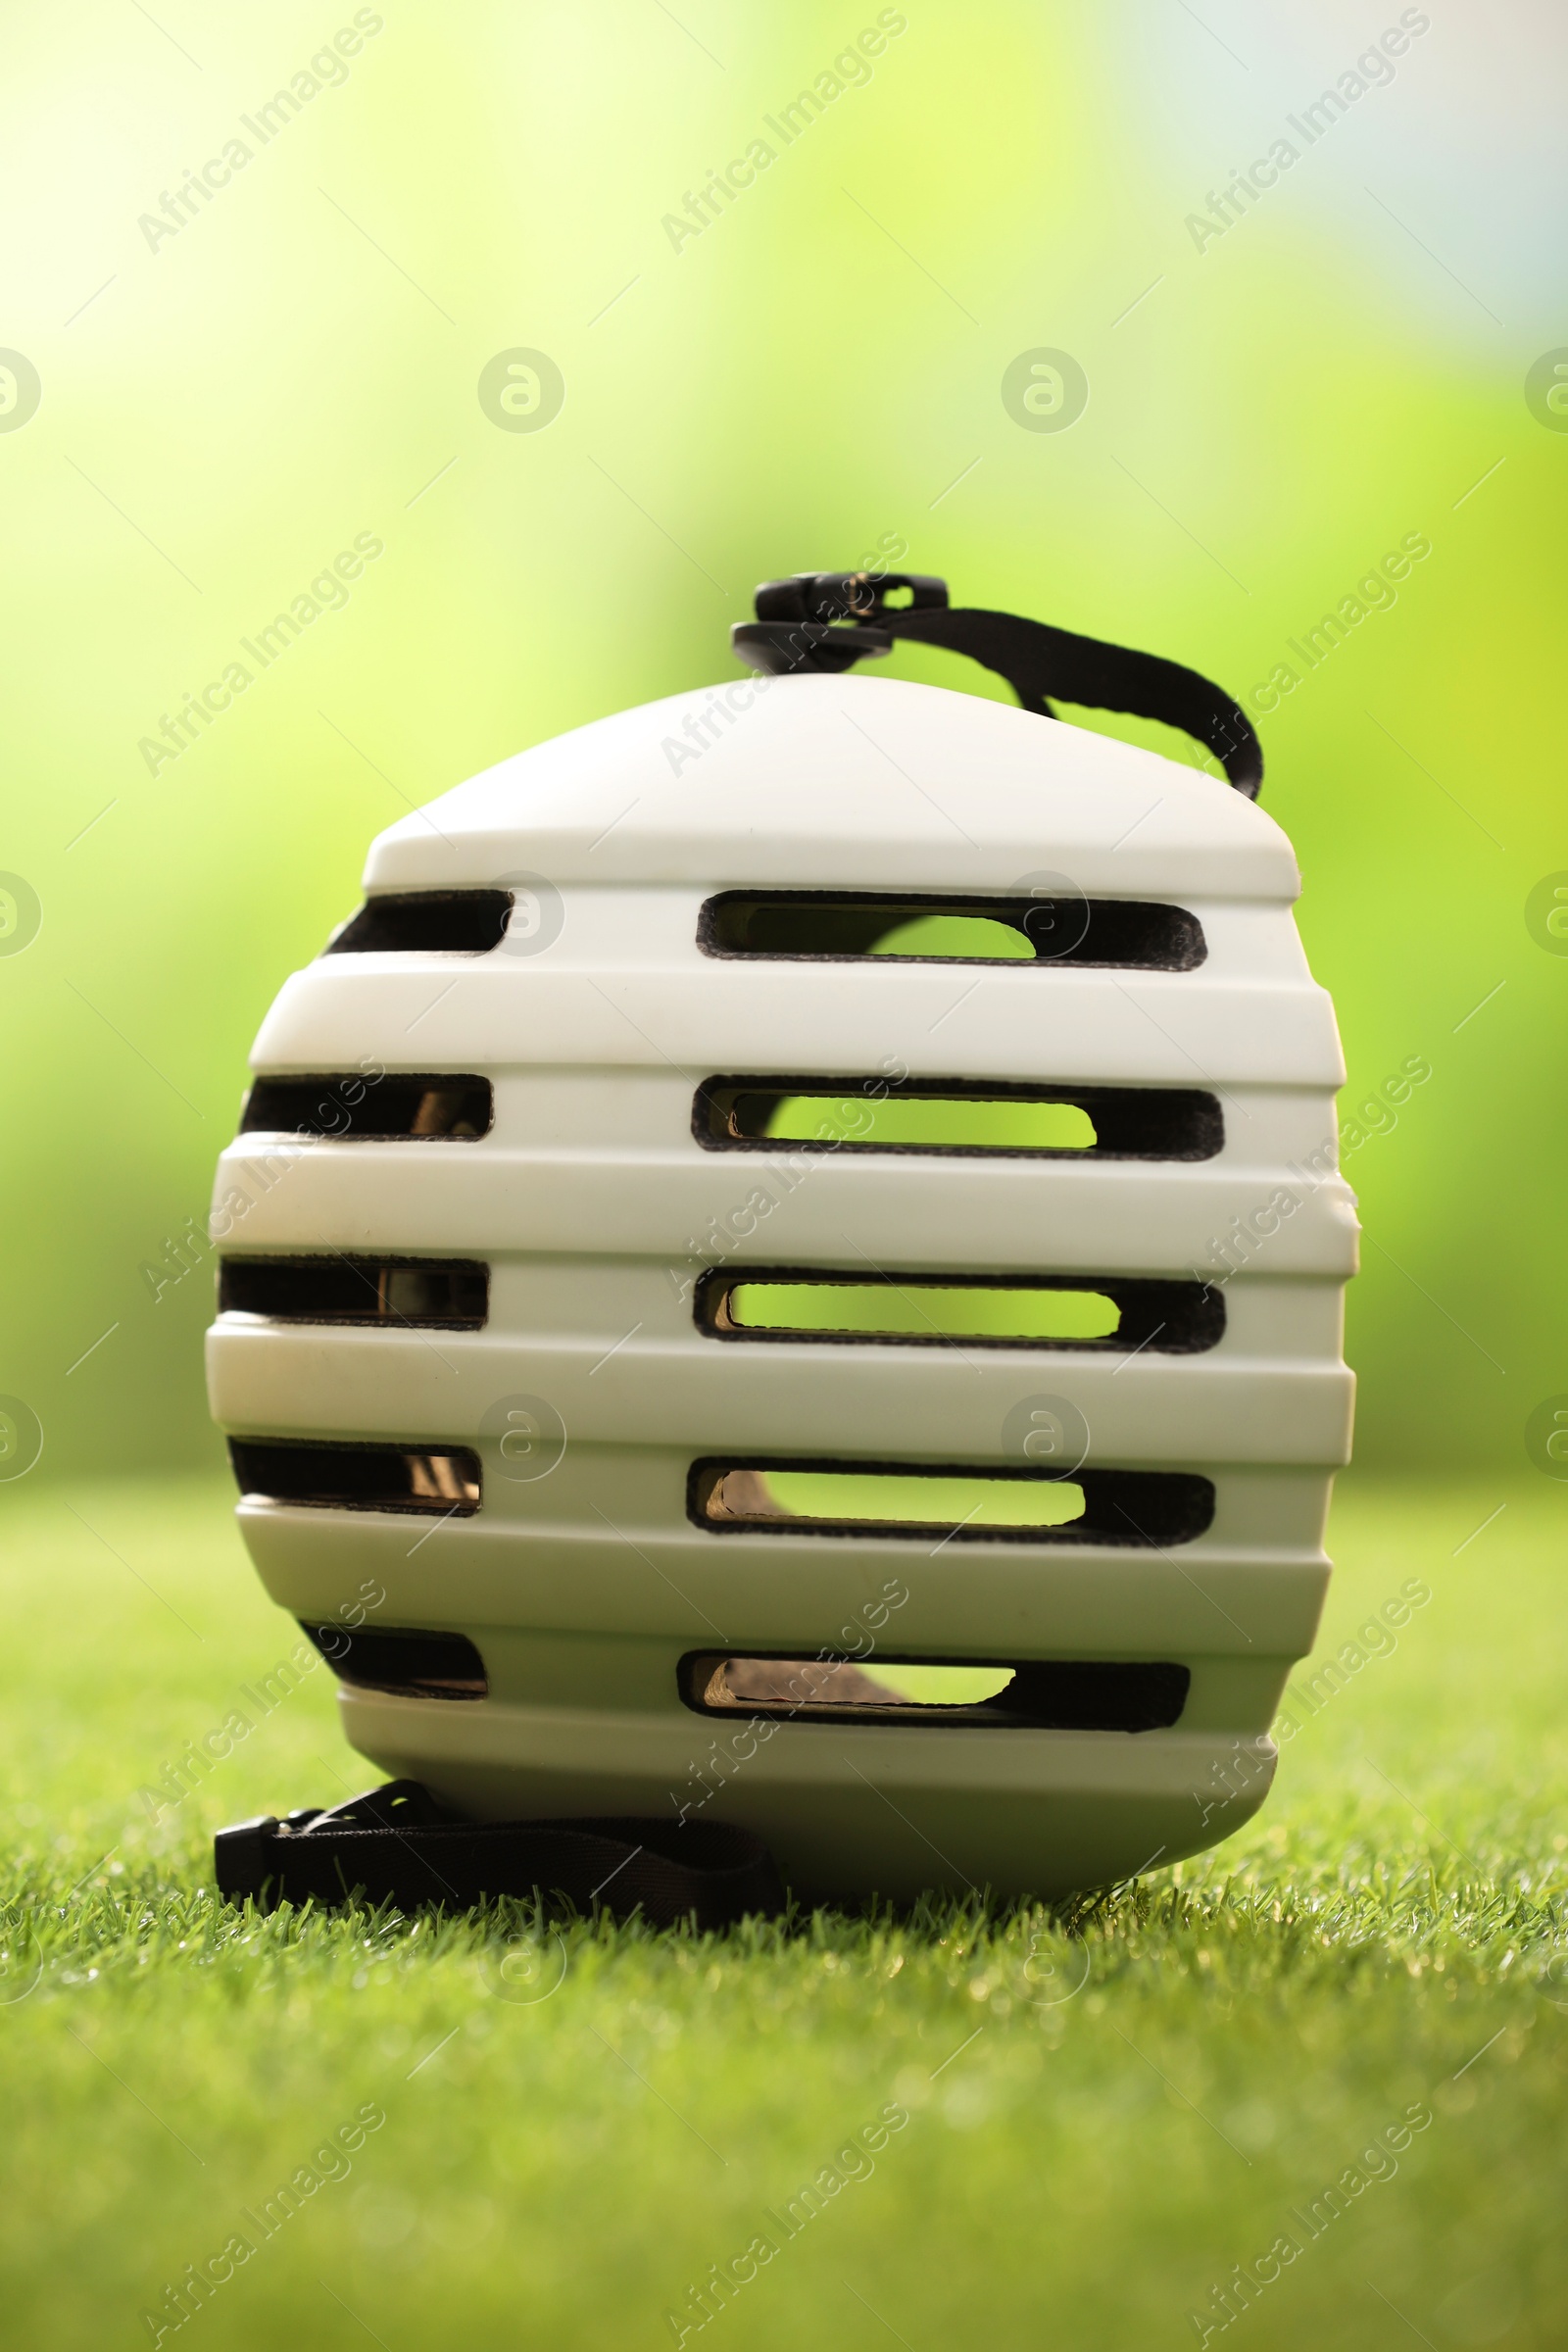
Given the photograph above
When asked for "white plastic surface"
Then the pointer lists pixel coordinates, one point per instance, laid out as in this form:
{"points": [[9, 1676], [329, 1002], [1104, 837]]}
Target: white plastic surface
{"points": [[596, 1208]]}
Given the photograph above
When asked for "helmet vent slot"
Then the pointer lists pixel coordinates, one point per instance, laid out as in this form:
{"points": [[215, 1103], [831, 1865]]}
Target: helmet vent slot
{"points": [[953, 1504], [1106, 1312], [438, 1481], [425, 922], [1067, 1694], [845, 927], [349, 1107], [435, 1293], [408, 1664], [955, 1115]]}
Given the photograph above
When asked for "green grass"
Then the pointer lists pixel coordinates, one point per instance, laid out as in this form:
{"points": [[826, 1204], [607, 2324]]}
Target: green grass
{"points": [[1099, 2124]]}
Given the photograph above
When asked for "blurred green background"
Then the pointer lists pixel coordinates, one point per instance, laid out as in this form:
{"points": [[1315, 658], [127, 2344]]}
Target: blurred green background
{"points": [[194, 423], [1270, 410]]}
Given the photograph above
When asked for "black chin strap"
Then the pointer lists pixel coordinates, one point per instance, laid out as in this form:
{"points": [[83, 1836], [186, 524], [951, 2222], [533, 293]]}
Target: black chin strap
{"points": [[828, 620], [397, 1844]]}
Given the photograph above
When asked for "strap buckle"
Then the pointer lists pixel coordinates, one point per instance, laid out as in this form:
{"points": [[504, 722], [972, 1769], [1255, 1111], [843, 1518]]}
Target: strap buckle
{"points": [[857, 596], [827, 620]]}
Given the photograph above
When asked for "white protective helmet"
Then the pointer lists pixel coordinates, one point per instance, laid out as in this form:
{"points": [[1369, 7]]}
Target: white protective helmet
{"points": [[786, 1269]]}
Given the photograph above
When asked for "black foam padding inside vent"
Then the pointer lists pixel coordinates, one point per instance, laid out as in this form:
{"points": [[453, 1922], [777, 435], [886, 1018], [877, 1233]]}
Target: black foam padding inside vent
{"points": [[1140, 1509], [401, 1660], [1130, 1122], [1053, 1695], [844, 927], [434, 1294], [1169, 1319], [435, 1481], [348, 1107], [425, 922]]}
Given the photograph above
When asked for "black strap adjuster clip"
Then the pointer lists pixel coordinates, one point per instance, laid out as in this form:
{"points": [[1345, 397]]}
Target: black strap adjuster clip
{"points": [[243, 1857], [857, 596], [827, 620]]}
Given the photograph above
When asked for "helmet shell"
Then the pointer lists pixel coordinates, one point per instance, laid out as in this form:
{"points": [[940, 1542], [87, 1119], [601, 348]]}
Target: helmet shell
{"points": [[551, 1443]]}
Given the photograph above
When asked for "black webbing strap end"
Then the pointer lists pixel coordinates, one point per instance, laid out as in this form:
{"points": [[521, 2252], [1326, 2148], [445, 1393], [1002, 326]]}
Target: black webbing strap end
{"points": [[242, 1858], [399, 1844]]}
